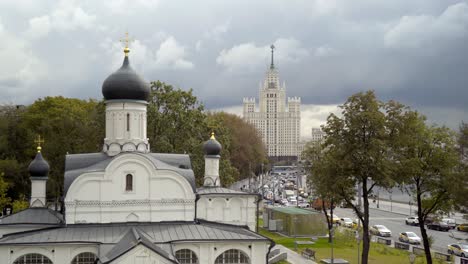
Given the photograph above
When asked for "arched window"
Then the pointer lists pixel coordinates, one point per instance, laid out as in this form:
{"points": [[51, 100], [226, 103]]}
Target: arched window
{"points": [[232, 256], [33, 258], [129, 183], [84, 258], [186, 256]]}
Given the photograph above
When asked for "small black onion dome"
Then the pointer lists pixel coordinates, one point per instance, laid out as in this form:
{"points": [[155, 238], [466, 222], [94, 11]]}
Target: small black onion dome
{"points": [[38, 167], [125, 83], [212, 146]]}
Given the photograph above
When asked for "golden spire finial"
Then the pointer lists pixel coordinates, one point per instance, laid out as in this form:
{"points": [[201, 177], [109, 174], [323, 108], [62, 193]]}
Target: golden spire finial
{"points": [[39, 141], [212, 135], [127, 41]]}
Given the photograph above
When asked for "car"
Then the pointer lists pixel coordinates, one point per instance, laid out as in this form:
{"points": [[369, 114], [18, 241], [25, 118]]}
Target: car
{"points": [[335, 219], [380, 230], [409, 237], [304, 204], [438, 225], [463, 227], [458, 250], [346, 222], [450, 222], [412, 220]]}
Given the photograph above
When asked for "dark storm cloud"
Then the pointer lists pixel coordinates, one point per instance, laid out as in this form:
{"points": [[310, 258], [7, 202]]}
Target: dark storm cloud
{"points": [[410, 51]]}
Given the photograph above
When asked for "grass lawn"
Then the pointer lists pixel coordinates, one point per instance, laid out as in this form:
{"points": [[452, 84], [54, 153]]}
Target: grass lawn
{"points": [[345, 247]]}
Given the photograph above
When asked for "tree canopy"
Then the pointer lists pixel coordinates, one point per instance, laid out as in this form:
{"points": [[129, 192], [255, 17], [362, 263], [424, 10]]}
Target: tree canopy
{"points": [[177, 123]]}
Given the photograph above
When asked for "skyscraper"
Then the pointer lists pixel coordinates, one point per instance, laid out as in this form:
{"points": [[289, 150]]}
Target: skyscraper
{"points": [[278, 120]]}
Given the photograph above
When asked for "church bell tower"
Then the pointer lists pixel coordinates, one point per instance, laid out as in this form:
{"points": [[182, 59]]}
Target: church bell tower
{"points": [[126, 97]]}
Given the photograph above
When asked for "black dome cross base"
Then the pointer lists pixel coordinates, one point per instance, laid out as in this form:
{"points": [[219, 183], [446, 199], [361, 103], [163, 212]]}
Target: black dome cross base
{"points": [[38, 167], [125, 83], [212, 147]]}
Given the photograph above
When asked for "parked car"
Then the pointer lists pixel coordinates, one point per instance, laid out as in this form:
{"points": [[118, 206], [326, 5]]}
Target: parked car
{"points": [[380, 230], [430, 218], [463, 227], [450, 222], [409, 237], [346, 222], [357, 222], [335, 219], [458, 250], [438, 225], [412, 220], [304, 204]]}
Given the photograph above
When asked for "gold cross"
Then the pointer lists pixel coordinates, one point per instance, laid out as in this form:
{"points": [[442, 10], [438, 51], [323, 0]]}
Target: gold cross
{"points": [[39, 141], [127, 41]]}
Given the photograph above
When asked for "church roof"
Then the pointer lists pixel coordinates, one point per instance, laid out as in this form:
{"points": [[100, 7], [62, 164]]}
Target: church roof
{"points": [[219, 190], [113, 233], [125, 83], [33, 215], [77, 164], [133, 238]]}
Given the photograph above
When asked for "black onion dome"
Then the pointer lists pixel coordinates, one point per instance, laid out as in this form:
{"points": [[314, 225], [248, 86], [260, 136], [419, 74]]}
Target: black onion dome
{"points": [[38, 167], [125, 83], [212, 146]]}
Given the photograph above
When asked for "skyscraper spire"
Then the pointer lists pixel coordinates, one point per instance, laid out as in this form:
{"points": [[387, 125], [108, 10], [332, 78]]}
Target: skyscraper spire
{"points": [[272, 47]]}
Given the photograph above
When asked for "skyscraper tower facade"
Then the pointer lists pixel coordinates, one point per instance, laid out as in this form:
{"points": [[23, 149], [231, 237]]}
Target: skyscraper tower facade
{"points": [[278, 118]]}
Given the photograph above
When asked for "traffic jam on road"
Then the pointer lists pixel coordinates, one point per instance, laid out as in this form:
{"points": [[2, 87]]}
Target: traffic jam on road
{"points": [[284, 186]]}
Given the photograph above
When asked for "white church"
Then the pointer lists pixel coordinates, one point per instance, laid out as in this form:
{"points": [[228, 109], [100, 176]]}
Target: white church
{"points": [[128, 205]]}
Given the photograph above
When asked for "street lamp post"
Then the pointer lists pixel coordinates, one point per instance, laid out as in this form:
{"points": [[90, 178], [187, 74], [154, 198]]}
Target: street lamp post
{"points": [[358, 240], [332, 232], [391, 202], [378, 199]]}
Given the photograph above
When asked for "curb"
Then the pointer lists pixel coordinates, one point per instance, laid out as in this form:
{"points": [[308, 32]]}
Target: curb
{"points": [[387, 211]]}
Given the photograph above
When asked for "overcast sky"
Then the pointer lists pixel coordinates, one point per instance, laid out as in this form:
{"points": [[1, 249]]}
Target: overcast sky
{"points": [[414, 51]]}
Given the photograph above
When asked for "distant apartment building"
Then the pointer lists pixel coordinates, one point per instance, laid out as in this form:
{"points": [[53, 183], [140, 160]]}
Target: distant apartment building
{"points": [[277, 119], [317, 134]]}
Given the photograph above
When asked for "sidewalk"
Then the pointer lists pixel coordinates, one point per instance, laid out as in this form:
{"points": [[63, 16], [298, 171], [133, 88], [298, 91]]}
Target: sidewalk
{"points": [[407, 209], [293, 257]]}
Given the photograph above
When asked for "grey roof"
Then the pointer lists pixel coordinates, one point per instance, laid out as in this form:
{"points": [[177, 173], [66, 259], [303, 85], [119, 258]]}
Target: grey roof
{"points": [[161, 232], [219, 190], [77, 164], [33, 215], [133, 238]]}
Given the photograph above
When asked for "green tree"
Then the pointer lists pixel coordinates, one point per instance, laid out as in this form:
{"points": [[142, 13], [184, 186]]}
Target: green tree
{"points": [[242, 144], [358, 145], [4, 199], [322, 174], [68, 126], [176, 124], [462, 189], [20, 204], [427, 167]]}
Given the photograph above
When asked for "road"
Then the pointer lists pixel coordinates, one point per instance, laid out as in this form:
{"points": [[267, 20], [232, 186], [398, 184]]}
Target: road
{"points": [[396, 223]]}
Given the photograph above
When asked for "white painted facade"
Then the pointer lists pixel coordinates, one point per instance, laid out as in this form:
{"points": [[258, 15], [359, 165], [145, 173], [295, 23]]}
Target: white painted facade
{"points": [[211, 177], [206, 252], [157, 195], [132, 188], [228, 209], [277, 119], [38, 191], [125, 127]]}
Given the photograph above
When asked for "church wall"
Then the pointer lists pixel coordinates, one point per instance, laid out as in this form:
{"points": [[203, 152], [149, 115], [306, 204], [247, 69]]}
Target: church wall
{"points": [[208, 252], [141, 255], [56, 253], [228, 209], [156, 195]]}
